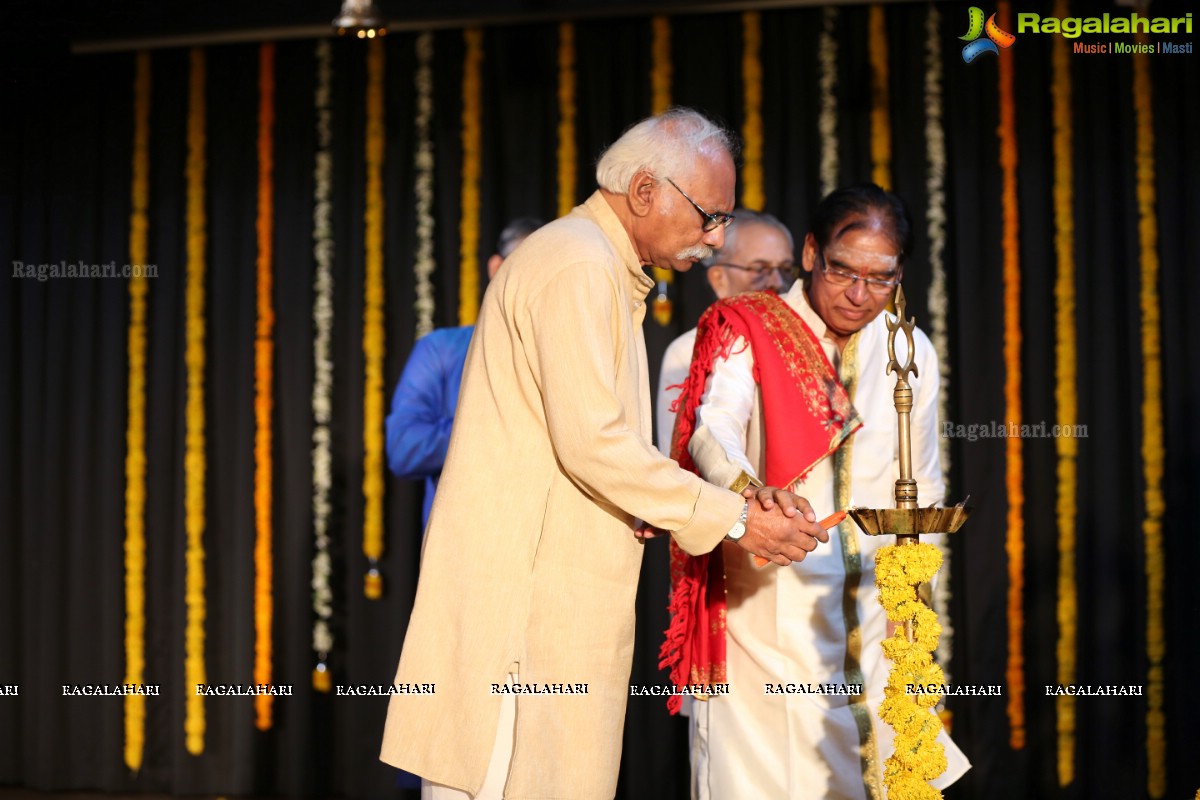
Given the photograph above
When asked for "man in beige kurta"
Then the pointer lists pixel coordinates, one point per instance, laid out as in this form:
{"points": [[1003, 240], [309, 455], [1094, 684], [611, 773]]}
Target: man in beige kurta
{"points": [[529, 563]]}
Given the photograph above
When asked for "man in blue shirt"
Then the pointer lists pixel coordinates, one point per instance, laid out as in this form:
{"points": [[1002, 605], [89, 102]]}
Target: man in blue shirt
{"points": [[418, 427]]}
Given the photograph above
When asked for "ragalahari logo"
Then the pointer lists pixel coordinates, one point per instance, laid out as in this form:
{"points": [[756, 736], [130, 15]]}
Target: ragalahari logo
{"points": [[996, 38]]}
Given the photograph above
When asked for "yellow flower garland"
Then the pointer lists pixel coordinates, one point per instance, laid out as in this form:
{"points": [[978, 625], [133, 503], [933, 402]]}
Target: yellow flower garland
{"points": [[1065, 397], [566, 118], [373, 331], [1153, 453], [753, 196], [264, 353], [660, 101], [918, 757], [660, 67], [135, 431], [194, 460], [881, 126], [472, 137], [1014, 466]]}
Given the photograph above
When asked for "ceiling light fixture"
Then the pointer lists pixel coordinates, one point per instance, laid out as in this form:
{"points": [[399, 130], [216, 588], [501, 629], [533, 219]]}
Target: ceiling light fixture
{"points": [[361, 18]]}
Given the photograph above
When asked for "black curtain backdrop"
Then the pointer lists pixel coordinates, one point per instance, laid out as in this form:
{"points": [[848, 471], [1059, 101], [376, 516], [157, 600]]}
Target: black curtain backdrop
{"points": [[65, 152]]}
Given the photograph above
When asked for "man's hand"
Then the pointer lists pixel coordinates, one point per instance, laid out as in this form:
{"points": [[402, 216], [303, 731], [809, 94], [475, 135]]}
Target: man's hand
{"points": [[781, 526], [644, 530], [769, 497]]}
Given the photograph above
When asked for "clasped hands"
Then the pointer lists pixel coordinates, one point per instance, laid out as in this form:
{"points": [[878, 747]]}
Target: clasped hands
{"points": [[781, 527]]}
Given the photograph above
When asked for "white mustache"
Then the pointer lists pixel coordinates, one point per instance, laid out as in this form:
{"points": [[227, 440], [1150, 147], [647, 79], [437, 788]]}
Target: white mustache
{"points": [[699, 252]]}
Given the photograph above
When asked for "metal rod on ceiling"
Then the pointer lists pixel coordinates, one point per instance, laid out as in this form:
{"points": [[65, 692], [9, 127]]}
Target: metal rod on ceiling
{"points": [[282, 33]]}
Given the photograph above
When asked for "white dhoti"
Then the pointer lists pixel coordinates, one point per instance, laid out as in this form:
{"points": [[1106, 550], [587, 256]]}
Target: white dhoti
{"points": [[497, 771]]}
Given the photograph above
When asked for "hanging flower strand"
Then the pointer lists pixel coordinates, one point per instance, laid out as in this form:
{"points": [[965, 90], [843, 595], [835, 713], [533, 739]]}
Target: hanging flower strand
{"points": [[135, 432], [881, 126], [566, 118], [827, 116], [1065, 397], [373, 331], [660, 68], [423, 261], [935, 183], [660, 91], [753, 196], [195, 459], [1014, 463], [264, 354], [1153, 451], [322, 396], [918, 757], [472, 138]]}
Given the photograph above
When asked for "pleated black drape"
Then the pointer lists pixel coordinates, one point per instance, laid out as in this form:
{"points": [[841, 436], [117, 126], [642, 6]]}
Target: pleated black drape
{"points": [[65, 150]]}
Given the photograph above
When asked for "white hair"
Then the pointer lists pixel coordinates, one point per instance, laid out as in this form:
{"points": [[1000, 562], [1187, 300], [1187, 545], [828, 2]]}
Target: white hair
{"points": [[665, 145]]}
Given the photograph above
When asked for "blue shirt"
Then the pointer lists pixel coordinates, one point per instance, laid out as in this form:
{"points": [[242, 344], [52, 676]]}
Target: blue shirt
{"points": [[418, 427]]}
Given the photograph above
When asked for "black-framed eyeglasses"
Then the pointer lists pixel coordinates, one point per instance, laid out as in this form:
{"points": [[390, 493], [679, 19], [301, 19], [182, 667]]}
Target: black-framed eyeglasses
{"points": [[711, 221], [879, 287], [761, 274]]}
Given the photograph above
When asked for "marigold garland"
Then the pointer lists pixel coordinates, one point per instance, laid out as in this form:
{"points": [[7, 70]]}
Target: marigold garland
{"points": [[753, 196], [264, 355], [918, 757], [881, 126], [195, 460], [1014, 465], [1153, 451], [423, 261], [322, 395], [472, 137], [135, 431], [660, 67], [373, 331], [566, 118], [1065, 396], [660, 87], [935, 184], [827, 116]]}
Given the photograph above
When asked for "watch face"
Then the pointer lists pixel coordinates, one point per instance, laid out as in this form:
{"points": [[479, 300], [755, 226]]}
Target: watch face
{"points": [[737, 531]]}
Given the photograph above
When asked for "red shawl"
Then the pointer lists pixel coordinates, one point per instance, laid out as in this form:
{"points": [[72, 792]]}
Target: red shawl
{"points": [[806, 416]]}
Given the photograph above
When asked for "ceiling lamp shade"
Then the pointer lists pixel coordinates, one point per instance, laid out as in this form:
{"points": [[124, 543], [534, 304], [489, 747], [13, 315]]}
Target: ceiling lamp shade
{"points": [[361, 18]]}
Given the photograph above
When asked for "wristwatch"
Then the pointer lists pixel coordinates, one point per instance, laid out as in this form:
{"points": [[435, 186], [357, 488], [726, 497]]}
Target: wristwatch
{"points": [[739, 528]]}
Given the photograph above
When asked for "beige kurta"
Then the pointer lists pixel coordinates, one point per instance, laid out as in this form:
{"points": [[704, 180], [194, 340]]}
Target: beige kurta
{"points": [[529, 557]]}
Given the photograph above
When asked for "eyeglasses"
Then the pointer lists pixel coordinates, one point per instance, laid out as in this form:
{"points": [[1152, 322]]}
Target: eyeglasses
{"points": [[711, 221], [880, 287], [761, 275]]}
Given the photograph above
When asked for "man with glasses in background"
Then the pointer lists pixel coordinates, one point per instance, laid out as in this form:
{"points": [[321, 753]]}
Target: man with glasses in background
{"points": [[753, 410], [757, 257]]}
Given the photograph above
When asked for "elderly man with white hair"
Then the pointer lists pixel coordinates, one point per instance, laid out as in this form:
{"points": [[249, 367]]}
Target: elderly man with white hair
{"points": [[514, 673]]}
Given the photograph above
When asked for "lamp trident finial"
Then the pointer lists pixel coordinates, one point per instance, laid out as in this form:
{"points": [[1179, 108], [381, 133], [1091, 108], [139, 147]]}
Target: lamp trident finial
{"points": [[900, 323]]}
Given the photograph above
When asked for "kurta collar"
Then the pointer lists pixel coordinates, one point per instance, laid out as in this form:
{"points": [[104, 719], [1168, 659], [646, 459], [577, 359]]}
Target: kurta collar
{"points": [[640, 284], [797, 298]]}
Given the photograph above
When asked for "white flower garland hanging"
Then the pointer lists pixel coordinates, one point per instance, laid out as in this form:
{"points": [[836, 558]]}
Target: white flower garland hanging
{"points": [[827, 118], [935, 182], [423, 262], [322, 396]]}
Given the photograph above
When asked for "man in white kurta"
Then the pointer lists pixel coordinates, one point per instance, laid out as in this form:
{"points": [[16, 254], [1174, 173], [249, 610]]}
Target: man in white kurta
{"points": [[818, 623], [756, 257]]}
